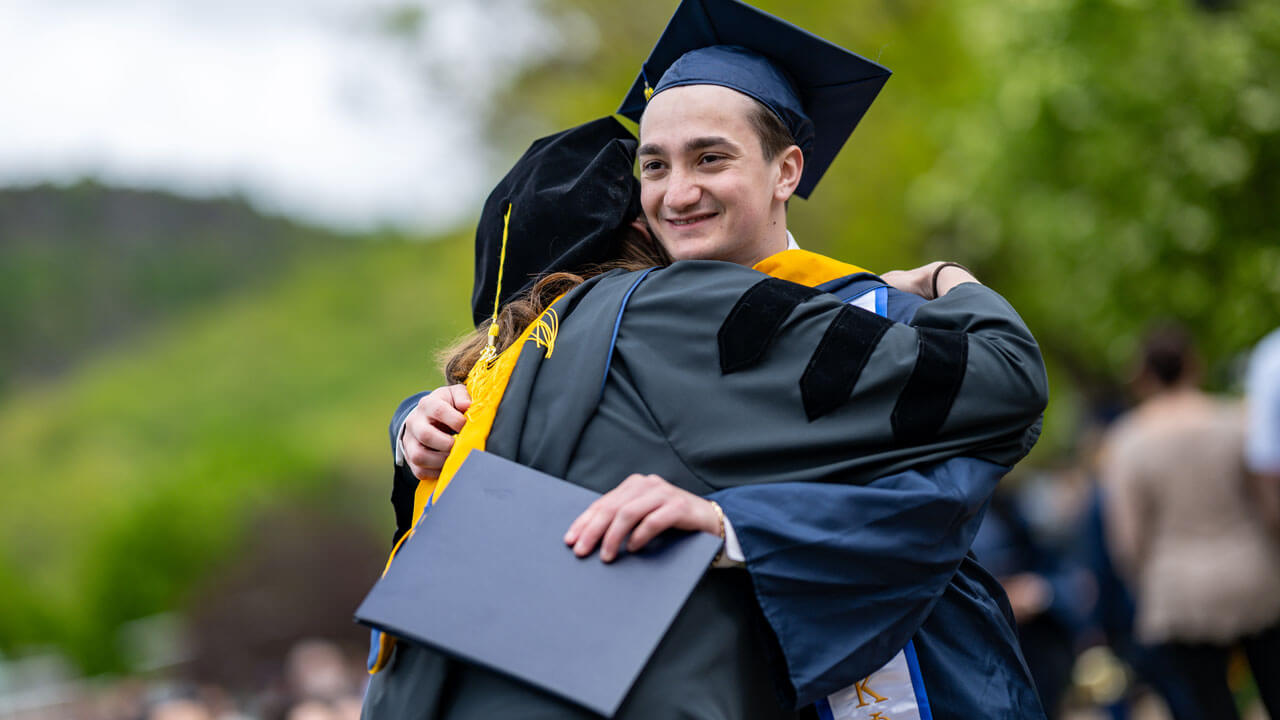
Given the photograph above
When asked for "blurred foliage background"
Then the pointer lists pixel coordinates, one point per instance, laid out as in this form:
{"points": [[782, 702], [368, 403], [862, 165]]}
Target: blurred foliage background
{"points": [[175, 373]]}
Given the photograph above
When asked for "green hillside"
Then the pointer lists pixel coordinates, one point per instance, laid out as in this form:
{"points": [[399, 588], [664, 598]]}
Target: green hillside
{"points": [[87, 266], [125, 480]]}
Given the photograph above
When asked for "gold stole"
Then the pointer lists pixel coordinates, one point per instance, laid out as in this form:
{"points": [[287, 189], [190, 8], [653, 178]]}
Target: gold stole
{"points": [[805, 268], [486, 383]]}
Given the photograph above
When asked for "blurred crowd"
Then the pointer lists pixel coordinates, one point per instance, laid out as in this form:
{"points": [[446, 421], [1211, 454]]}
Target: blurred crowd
{"points": [[1146, 577], [316, 681], [267, 637]]}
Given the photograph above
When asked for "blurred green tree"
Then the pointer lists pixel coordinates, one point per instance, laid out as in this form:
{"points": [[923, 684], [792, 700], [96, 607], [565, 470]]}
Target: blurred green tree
{"points": [[1119, 164]]}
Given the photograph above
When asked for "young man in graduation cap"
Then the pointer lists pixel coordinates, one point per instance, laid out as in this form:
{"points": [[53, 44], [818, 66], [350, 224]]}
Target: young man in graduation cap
{"points": [[728, 134]]}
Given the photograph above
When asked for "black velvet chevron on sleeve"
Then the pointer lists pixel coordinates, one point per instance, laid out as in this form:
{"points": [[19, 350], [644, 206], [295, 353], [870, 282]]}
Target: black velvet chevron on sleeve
{"points": [[755, 320], [926, 400], [839, 359]]}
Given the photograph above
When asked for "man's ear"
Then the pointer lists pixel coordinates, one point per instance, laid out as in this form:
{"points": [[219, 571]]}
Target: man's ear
{"points": [[790, 168]]}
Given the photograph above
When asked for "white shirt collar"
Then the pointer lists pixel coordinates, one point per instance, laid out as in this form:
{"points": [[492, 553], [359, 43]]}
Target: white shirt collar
{"points": [[791, 242]]}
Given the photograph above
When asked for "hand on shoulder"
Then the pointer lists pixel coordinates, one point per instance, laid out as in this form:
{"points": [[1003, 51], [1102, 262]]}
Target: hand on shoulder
{"points": [[929, 281]]}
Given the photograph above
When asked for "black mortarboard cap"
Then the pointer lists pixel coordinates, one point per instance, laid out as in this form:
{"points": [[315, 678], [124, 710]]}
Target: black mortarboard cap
{"points": [[819, 90], [569, 194]]}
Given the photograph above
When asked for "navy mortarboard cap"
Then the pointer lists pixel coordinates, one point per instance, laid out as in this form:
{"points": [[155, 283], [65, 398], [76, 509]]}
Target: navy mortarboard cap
{"points": [[567, 197], [819, 90]]}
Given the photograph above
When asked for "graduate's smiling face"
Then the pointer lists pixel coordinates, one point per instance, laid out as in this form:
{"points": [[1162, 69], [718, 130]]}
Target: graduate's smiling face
{"points": [[706, 187]]}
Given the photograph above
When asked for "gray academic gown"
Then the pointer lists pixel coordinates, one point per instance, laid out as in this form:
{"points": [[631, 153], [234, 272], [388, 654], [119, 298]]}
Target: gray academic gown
{"points": [[712, 376]]}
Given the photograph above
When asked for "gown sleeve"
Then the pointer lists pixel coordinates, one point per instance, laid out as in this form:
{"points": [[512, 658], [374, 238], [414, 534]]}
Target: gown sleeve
{"points": [[403, 483], [846, 574]]}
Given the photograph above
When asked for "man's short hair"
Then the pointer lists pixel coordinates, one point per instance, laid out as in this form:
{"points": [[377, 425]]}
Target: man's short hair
{"points": [[774, 136]]}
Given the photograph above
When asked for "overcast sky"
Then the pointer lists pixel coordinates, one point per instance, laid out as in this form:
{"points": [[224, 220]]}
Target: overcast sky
{"points": [[309, 107]]}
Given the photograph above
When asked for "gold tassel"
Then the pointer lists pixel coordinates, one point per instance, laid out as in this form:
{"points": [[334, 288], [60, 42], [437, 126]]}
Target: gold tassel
{"points": [[490, 352]]}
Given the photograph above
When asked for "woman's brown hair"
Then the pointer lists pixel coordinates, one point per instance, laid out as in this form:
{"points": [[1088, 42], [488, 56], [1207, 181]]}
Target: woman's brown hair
{"points": [[637, 250]]}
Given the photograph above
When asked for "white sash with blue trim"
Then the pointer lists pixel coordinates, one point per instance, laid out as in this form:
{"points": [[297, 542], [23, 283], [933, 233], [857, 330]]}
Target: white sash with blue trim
{"points": [[894, 692]]}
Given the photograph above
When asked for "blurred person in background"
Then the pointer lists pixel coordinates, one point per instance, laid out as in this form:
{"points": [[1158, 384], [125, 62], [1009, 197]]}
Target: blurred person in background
{"points": [[317, 670], [1185, 531], [346, 709], [1262, 445], [321, 682], [1043, 591], [180, 708], [310, 710]]}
